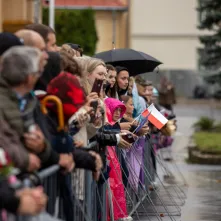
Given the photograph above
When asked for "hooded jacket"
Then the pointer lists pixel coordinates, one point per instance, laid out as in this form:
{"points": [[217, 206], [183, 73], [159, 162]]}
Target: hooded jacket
{"points": [[111, 105]]}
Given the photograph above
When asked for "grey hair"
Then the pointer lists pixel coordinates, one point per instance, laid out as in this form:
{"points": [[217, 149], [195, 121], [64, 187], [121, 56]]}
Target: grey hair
{"points": [[18, 62]]}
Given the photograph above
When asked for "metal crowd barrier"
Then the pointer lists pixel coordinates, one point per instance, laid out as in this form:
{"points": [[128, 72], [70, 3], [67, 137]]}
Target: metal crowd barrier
{"points": [[94, 201]]}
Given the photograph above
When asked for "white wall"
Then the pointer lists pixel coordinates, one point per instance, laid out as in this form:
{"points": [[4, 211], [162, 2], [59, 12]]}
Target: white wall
{"points": [[176, 53], [167, 30]]}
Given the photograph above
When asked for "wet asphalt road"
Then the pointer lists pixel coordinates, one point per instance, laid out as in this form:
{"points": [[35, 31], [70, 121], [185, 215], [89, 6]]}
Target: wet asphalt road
{"points": [[204, 191], [203, 194]]}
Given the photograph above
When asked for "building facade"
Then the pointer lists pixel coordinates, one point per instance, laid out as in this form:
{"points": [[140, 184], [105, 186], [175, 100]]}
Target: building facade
{"points": [[166, 30], [15, 14], [111, 17]]}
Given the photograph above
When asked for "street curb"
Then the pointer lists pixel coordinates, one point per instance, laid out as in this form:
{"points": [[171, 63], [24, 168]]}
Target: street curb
{"points": [[199, 102], [197, 157]]}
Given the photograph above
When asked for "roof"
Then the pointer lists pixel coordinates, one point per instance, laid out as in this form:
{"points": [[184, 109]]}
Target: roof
{"points": [[94, 4]]}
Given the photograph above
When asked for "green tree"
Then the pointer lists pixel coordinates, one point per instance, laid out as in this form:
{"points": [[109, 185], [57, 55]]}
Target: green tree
{"points": [[75, 26], [210, 19]]}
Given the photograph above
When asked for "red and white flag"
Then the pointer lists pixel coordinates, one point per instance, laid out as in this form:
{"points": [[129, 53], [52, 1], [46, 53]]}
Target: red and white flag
{"points": [[155, 117]]}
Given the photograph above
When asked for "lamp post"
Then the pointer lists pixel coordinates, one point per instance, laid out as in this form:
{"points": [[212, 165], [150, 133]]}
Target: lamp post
{"points": [[51, 13], [37, 6], [114, 18]]}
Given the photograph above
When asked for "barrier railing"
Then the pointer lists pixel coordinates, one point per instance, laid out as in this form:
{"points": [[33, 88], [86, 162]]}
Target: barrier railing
{"points": [[95, 201]]}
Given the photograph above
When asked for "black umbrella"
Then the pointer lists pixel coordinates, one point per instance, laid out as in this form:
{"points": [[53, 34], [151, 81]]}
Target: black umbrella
{"points": [[135, 61]]}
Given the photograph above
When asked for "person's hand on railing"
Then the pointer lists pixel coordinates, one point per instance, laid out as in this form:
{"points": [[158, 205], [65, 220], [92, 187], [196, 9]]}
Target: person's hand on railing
{"points": [[32, 201], [98, 164], [66, 161], [96, 175], [35, 140], [98, 160], [34, 162]]}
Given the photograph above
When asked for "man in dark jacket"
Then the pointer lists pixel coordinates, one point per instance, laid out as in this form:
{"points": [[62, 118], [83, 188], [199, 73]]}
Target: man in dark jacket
{"points": [[19, 73]]}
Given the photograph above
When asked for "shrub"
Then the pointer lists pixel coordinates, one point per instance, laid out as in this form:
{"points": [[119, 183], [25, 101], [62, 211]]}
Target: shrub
{"points": [[204, 124], [217, 127], [75, 26]]}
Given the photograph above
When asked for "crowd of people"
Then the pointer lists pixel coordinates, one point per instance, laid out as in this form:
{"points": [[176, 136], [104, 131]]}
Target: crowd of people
{"points": [[54, 102]]}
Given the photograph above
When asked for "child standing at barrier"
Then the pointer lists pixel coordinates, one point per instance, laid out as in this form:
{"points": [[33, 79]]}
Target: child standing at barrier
{"points": [[134, 156], [115, 111]]}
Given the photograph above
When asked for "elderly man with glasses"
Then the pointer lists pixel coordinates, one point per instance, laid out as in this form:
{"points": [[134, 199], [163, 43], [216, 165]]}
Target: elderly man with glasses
{"points": [[19, 71]]}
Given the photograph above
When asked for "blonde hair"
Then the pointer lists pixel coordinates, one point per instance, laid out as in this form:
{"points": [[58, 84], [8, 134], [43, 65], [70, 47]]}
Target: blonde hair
{"points": [[93, 63], [87, 66], [82, 63]]}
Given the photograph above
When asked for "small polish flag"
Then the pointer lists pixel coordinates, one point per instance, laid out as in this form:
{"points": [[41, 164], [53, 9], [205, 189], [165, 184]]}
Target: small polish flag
{"points": [[155, 117]]}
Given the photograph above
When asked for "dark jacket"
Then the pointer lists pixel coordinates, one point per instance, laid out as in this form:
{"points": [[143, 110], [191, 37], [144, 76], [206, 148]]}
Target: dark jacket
{"points": [[10, 142], [10, 113], [113, 130], [105, 136], [8, 201], [41, 120], [51, 70], [82, 158], [167, 95]]}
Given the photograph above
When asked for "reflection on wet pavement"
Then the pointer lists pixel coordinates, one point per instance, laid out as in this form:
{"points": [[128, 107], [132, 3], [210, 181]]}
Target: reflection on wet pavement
{"points": [[204, 192], [203, 195]]}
